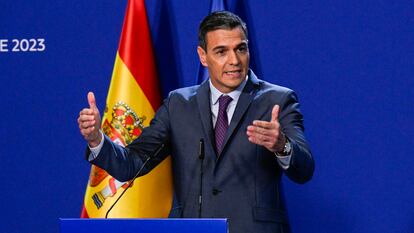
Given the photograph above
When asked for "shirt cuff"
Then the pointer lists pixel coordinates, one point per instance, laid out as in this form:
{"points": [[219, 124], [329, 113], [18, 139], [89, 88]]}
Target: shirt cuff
{"points": [[284, 161], [95, 150]]}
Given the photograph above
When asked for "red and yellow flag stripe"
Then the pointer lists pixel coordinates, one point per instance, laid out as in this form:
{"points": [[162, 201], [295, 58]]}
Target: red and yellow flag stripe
{"points": [[132, 99]]}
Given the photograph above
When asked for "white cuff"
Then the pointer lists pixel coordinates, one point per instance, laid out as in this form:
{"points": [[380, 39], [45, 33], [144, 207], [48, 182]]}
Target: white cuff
{"points": [[284, 161], [95, 150]]}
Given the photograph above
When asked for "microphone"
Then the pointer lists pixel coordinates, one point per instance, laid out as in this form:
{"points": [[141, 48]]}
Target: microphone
{"points": [[155, 154], [201, 155]]}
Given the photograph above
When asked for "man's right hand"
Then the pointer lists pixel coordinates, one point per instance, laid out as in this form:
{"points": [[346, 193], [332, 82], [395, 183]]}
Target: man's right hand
{"points": [[89, 122]]}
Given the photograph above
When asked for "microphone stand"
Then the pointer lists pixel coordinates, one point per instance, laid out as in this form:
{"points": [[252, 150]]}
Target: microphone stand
{"points": [[136, 176], [201, 155]]}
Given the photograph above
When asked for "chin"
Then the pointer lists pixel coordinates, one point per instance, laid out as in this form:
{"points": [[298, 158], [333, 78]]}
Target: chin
{"points": [[234, 85]]}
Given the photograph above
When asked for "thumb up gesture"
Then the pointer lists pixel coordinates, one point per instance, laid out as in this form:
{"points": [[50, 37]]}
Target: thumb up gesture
{"points": [[267, 133], [89, 122]]}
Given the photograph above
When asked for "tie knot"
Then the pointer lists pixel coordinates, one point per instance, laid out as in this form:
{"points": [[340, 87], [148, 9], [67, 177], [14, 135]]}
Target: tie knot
{"points": [[224, 101]]}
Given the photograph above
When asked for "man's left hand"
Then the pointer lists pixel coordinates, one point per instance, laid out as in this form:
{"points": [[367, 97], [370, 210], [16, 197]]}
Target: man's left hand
{"points": [[267, 133]]}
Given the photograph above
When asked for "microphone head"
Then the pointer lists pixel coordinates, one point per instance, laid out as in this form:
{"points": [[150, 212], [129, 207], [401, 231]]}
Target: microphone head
{"points": [[201, 149]]}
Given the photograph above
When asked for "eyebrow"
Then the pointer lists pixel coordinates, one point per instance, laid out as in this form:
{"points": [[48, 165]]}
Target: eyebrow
{"points": [[243, 43], [219, 47]]}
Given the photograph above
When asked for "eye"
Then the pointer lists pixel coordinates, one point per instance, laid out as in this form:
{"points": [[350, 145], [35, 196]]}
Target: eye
{"points": [[242, 49], [220, 52]]}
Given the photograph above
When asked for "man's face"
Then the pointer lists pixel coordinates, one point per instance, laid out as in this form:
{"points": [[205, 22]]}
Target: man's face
{"points": [[227, 58]]}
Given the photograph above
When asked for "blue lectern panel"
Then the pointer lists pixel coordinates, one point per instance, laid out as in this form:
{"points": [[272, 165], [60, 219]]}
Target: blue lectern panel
{"points": [[143, 225]]}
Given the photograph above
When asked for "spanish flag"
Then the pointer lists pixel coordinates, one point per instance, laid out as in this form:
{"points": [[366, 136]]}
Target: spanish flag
{"points": [[132, 100]]}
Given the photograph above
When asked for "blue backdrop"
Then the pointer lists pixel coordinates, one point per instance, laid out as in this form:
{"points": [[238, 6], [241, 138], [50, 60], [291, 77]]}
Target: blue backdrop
{"points": [[351, 62]]}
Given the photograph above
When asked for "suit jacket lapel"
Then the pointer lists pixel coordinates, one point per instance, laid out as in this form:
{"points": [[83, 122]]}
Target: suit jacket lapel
{"points": [[203, 103], [246, 97]]}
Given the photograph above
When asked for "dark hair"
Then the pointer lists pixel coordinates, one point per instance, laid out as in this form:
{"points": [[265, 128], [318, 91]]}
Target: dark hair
{"points": [[218, 20]]}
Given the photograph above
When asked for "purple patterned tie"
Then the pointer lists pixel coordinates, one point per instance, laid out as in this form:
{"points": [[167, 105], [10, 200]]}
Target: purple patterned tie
{"points": [[222, 122]]}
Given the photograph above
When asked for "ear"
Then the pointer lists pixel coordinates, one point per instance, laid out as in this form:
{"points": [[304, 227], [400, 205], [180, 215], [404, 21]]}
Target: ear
{"points": [[202, 55]]}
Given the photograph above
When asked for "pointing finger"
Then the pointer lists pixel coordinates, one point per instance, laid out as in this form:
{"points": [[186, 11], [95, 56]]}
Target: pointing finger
{"points": [[86, 111], [264, 124]]}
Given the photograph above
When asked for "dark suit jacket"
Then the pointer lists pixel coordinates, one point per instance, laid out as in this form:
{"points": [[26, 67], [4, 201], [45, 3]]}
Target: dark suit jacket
{"points": [[243, 183]]}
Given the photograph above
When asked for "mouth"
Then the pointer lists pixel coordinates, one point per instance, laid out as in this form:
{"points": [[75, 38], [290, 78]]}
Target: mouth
{"points": [[233, 72]]}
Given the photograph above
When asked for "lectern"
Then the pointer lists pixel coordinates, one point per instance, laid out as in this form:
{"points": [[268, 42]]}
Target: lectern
{"points": [[169, 225]]}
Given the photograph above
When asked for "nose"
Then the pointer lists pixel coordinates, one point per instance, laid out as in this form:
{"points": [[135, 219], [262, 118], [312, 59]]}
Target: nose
{"points": [[233, 58]]}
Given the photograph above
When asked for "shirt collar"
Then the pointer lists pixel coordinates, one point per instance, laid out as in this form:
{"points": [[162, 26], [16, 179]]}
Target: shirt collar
{"points": [[215, 93]]}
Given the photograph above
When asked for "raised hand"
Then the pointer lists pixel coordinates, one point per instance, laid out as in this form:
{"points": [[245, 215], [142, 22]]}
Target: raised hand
{"points": [[89, 122], [267, 133]]}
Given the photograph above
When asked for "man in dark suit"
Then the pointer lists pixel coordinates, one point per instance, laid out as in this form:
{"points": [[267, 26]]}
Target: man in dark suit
{"points": [[253, 133]]}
